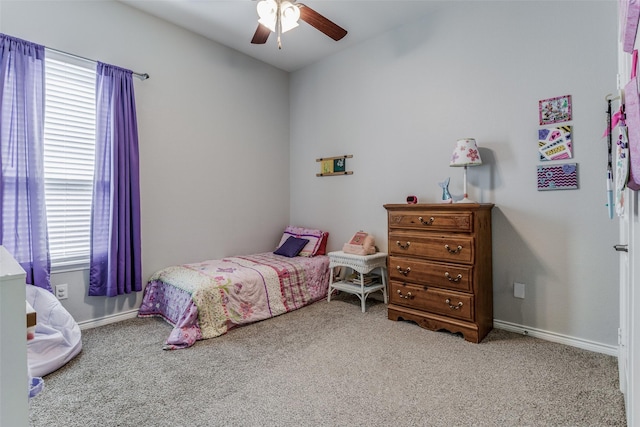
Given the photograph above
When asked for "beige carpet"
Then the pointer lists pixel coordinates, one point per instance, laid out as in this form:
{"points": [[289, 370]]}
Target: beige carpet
{"points": [[328, 365]]}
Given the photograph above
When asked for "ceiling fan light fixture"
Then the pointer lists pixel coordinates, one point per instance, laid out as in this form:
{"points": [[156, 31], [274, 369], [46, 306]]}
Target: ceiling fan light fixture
{"points": [[273, 11], [289, 16], [279, 16], [267, 10]]}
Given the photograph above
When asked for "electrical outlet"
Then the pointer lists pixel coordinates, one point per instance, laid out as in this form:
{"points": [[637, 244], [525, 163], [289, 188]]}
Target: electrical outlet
{"points": [[518, 290], [62, 291]]}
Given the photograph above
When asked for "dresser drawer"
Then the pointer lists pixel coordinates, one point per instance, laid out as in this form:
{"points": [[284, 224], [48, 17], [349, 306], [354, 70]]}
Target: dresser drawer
{"points": [[451, 247], [447, 303], [432, 220], [451, 276]]}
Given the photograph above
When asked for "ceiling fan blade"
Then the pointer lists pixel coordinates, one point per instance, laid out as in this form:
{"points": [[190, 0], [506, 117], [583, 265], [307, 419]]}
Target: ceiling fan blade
{"points": [[321, 23], [261, 35]]}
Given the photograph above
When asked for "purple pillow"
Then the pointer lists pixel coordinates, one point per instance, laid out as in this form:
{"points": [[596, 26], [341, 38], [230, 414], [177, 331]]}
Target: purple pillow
{"points": [[291, 247]]}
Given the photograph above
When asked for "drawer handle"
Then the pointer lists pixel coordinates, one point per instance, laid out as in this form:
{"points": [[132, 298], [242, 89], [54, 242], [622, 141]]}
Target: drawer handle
{"points": [[407, 296], [452, 307], [453, 279], [403, 246], [403, 272], [453, 251], [423, 222]]}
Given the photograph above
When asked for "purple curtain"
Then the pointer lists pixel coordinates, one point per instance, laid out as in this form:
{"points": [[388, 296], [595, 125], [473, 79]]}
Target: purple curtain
{"points": [[116, 266], [22, 201]]}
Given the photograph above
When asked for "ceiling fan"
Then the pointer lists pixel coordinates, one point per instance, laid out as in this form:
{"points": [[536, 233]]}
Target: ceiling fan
{"points": [[280, 16]]}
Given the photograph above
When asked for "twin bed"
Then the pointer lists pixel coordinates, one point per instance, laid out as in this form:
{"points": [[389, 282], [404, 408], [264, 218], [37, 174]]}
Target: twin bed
{"points": [[206, 299]]}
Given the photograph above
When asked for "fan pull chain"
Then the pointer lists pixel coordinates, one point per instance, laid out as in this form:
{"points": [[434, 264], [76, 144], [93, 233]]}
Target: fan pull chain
{"points": [[279, 24]]}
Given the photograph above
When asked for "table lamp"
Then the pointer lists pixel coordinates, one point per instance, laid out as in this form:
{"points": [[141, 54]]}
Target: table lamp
{"points": [[465, 154]]}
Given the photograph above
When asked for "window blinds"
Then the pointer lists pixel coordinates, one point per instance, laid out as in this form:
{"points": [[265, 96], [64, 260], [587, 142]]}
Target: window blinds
{"points": [[69, 145]]}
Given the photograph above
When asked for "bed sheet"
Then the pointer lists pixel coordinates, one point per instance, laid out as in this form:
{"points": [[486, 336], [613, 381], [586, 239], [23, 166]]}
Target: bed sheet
{"points": [[206, 299]]}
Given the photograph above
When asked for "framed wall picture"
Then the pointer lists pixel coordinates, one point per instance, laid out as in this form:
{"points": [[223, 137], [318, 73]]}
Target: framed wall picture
{"points": [[558, 177], [555, 143], [555, 110]]}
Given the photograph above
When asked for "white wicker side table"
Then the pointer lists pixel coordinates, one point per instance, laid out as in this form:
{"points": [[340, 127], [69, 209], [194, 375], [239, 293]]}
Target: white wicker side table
{"points": [[363, 264]]}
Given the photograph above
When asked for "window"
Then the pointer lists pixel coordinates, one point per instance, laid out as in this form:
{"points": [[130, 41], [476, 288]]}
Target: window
{"points": [[69, 145]]}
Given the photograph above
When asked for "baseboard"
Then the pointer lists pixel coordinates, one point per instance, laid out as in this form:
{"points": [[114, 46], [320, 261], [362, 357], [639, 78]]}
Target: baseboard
{"points": [[498, 324], [554, 337], [114, 318]]}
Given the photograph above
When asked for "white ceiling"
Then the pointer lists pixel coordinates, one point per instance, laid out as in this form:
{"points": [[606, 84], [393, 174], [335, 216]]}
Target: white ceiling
{"points": [[233, 22]]}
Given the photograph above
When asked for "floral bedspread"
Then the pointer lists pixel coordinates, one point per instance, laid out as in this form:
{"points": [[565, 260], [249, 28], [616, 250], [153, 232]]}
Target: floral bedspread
{"points": [[204, 300]]}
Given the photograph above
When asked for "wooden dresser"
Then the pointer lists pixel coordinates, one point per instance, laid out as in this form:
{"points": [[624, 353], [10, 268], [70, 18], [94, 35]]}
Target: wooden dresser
{"points": [[440, 268]]}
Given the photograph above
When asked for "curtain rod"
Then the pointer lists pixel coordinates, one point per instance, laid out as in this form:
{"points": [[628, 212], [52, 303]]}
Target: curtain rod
{"points": [[141, 76]]}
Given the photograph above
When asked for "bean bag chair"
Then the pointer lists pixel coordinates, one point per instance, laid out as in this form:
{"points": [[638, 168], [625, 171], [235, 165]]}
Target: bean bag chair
{"points": [[57, 337]]}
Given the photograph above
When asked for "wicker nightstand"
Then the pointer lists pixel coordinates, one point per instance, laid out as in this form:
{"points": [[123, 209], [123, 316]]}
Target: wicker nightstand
{"points": [[361, 264]]}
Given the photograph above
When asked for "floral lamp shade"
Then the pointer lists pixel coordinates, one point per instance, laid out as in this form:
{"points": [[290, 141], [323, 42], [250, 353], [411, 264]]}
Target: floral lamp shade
{"points": [[466, 153]]}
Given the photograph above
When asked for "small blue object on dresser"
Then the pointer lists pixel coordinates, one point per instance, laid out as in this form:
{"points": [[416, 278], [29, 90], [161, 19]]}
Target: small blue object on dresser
{"points": [[446, 196]]}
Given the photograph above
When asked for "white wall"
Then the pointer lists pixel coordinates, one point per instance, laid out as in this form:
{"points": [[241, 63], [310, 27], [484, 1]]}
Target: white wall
{"points": [[474, 69], [397, 103], [213, 129]]}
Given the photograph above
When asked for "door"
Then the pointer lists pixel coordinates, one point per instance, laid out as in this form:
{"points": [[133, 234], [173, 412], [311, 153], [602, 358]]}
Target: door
{"points": [[625, 271], [629, 240]]}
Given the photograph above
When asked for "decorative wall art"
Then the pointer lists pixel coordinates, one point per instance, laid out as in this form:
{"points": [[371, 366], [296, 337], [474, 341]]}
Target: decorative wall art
{"points": [[555, 110], [330, 166], [558, 177], [555, 143]]}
